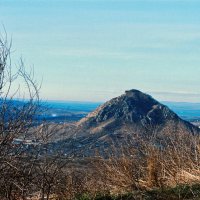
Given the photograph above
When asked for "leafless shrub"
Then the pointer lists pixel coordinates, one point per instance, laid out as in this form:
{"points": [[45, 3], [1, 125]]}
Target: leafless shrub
{"points": [[158, 161], [16, 118]]}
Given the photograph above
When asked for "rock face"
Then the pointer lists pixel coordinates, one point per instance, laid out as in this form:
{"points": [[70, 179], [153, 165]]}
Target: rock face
{"points": [[122, 119], [133, 107]]}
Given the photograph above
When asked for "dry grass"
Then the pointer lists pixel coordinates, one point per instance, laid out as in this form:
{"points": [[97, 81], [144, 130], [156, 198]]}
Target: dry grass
{"points": [[157, 163]]}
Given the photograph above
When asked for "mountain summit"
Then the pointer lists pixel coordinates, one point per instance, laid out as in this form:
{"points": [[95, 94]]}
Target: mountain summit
{"points": [[124, 119], [132, 107]]}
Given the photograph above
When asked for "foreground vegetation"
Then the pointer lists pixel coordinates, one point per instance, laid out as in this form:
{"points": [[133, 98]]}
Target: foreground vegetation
{"points": [[179, 192], [170, 172]]}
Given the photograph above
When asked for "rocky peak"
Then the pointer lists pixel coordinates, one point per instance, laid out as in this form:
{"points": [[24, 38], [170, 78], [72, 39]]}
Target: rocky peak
{"points": [[133, 93], [133, 106], [124, 119]]}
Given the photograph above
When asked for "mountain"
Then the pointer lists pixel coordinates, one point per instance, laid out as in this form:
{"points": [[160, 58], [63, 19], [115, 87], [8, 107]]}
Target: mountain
{"points": [[123, 119], [132, 108]]}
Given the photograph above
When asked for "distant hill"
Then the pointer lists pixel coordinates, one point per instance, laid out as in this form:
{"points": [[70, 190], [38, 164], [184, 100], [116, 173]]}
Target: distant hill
{"points": [[121, 120]]}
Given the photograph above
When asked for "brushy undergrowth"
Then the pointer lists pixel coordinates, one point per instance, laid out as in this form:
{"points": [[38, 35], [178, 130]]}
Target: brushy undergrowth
{"points": [[183, 192], [180, 192]]}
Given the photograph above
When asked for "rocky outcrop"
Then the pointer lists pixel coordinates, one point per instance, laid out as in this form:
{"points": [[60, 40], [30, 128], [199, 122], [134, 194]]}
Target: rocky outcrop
{"points": [[123, 119], [132, 107]]}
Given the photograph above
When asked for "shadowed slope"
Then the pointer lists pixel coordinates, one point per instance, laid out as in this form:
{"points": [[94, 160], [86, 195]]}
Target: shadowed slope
{"points": [[122, 120]]}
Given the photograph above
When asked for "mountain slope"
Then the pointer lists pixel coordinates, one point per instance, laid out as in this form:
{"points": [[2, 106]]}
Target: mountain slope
{"points": [[123, 119], [133, 108]]}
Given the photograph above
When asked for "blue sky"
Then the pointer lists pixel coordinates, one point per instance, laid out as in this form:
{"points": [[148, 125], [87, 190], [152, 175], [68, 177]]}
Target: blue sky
{"points": [[93, 50]]}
